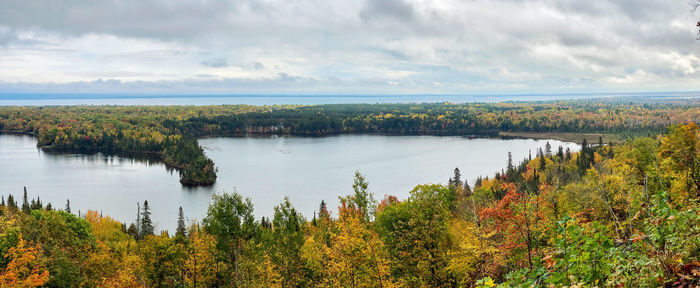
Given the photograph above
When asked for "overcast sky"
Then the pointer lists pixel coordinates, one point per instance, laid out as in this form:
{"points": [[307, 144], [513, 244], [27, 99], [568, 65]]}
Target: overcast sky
{"points": [[348, 46]]}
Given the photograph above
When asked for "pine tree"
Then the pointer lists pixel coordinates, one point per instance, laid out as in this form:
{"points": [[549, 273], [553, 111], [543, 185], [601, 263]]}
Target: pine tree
{"points": [[146, 224], [548, 149], [3, 201], [68, 205], [568, 153], [49, 207], [181, 230], [25, 202], [600, 141]]}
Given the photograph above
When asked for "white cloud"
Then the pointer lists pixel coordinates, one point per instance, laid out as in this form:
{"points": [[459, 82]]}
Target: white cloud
{"points": [[335, 46]]}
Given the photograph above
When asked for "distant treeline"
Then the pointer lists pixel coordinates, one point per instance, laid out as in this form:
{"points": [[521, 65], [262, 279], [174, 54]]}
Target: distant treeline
{"points": [[169, 133]]}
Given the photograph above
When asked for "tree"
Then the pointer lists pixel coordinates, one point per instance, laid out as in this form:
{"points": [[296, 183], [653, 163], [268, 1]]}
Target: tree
{"points": [[456, 180], [200, 261], [288, 238], [357, 256], [68, 205], [416, 236], [363, 200], [548, 149], [25, 202], [181, 230], [230, 220], [25, 268], [146, 223]]}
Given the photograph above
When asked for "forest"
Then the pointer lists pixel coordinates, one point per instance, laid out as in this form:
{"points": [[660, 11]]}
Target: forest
{"points": [[621, 215], [169, 133]]}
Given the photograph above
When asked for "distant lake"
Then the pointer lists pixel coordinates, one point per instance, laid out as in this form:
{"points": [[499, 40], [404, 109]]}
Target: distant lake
{"points": [[307, 170], [40, 99]]}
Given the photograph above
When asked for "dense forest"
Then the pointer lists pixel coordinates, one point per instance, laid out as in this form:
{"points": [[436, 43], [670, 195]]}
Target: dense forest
{"points": [[623, 215], [169, 133]]}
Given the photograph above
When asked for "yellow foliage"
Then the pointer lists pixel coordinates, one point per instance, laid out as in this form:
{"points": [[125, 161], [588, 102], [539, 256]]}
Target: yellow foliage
{"points": [[25, 268]]}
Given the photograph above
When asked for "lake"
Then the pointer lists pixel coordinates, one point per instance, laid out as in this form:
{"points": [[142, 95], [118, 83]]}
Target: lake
{"points": [[42, 99], [307, 170]]}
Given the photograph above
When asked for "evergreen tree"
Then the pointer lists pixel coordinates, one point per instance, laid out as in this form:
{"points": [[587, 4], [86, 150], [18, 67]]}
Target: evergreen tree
{"points": [[25, 202], [560, 152], [146, 223], [323, 211], [68, 205], [600, 141], [543, 163], [568, 153], [49, 207], [11, 203], [3, 201], [456, 180], [181, 230], [548, 149], [467, 190], [529, 155], [509, 165]]}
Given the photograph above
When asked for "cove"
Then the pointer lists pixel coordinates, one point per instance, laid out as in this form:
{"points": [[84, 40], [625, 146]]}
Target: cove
{"points": [[307, 170]]}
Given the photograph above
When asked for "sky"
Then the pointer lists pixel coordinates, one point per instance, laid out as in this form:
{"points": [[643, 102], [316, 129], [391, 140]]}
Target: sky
{"points": [[348, 46]]}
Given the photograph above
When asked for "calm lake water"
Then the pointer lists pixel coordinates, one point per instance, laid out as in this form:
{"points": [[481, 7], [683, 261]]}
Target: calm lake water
{"points": [[307, 170], [41, 99]]}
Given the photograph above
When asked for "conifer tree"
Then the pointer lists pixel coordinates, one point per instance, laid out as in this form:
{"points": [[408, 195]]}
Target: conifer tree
{"points": [[456, 180], [11, 202], [467, 190], [3, 202], [548, 149], [510, 169], [68, 205], [560, 152], [25, 202], [146, 223], [181, 229]]}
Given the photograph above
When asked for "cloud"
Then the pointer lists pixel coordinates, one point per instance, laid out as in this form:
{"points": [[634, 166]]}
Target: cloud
{"points": [[366, 46], [215, 63]]}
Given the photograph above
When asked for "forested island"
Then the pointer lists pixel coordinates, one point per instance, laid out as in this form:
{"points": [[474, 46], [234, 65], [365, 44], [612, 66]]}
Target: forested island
{"points": [[621, 215], [168, 133]]}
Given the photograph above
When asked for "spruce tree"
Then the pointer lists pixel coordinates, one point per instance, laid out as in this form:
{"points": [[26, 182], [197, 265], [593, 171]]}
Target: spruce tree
{"points": [[548, 149], [560, 152], [3, 201], [146, 223], [181, 230], [467, 190], [25, 202], [456, 181], [11, 203], [68, 205], [509, 165]]}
